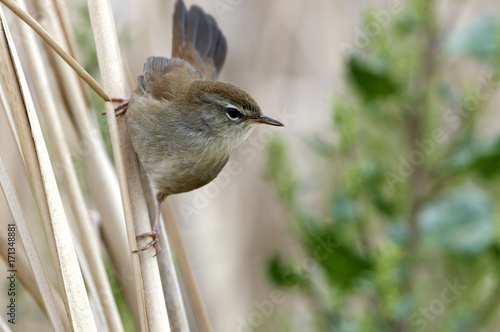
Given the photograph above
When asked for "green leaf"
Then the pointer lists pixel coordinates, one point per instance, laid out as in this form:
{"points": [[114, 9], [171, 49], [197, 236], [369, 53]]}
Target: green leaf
{"points": [[284, 275], [344, 209], [459, 222], [371, 79], [480, 40], [342, 265], [482, 158], [487, 159]]}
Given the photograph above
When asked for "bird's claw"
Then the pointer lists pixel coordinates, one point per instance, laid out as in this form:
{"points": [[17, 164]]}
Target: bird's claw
{"points": [[154, 242], [121, 108]]}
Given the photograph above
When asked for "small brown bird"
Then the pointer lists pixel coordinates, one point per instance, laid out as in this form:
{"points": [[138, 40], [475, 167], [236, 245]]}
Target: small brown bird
{"points": [[184, 125]]}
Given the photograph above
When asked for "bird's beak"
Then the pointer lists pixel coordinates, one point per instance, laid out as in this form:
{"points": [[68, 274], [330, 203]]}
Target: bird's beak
{"points": [[267, 120]]}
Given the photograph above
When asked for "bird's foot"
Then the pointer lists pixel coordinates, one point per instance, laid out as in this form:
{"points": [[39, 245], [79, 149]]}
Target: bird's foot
{"points": [[121, 108], [154, 234]]}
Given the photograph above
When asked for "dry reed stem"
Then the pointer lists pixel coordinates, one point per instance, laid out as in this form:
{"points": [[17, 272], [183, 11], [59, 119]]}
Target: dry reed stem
{"points": [[3, 326], [190, 284], [171, 287], [177, 315], [44, 186], [92, 290], [127, 166], [64, 20], [101, 177], [198, 307], [87, 233], [56, 47], [35, 263], [5, 106]]}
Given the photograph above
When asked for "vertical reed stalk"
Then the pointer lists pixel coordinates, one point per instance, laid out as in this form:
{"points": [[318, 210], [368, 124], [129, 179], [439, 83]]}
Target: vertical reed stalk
{"points": [[154, 316], [46, 299], [44, 186], [88, 235], [189, 280]]}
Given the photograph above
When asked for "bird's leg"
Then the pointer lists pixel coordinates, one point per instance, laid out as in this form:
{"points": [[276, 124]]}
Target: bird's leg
{"points": [[121, 108], [154, 234]]}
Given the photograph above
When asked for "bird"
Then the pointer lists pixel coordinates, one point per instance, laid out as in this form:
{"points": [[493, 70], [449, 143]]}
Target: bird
{"points": [[183, 124]]}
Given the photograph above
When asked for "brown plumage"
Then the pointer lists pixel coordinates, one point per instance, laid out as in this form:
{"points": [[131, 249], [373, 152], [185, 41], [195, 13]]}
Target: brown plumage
{"points": [[182, 124], [198, 40]]}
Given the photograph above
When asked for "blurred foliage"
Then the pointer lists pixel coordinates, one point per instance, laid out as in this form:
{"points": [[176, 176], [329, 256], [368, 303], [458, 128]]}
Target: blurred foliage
{"points": [[407, 235]]}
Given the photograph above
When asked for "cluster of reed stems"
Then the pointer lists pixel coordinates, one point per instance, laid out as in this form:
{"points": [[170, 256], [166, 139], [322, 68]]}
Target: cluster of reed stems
{"points": [[47, 134]]}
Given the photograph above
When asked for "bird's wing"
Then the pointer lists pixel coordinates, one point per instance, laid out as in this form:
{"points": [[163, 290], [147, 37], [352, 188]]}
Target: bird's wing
{"points": [[198, 40], [162, 77]]}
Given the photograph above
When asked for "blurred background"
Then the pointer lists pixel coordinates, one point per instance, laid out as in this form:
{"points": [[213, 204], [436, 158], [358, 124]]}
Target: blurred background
{"points": [[375, 208]]}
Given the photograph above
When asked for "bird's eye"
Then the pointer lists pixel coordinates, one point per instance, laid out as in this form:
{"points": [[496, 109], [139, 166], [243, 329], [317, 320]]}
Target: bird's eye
{"points": [[233, 113]]}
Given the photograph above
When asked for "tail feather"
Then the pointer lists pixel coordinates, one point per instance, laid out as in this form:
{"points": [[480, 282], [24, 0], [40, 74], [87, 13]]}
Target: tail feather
{"points": [[218, 45], [198, 40], [199, 31], [219, 51], [180, 26], [214, 34]]}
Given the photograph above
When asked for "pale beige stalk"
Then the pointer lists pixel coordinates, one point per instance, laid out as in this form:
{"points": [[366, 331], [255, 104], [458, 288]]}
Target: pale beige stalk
{"points": [[3, 326], [30, 284], [187, 274], [3, 101], [44, 187], [56, 47], [171, 288], [35, 263], [101, 176], [155, 316], [64, 20], [176, 309], [88, 235]]}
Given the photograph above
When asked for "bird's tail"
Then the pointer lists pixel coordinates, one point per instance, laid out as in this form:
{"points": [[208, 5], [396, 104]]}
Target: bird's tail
{"points": [[198, 40]]}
